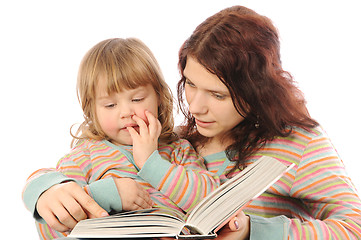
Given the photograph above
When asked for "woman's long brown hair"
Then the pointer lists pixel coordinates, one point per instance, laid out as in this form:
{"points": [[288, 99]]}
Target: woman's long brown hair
{"points": [[242, 48]]}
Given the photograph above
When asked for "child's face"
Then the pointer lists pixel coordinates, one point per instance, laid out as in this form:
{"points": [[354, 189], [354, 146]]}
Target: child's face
{"points": [[115, 111]]}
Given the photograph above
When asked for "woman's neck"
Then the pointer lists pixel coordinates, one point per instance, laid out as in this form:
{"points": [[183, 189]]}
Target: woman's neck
{"points": [[212, 146]]}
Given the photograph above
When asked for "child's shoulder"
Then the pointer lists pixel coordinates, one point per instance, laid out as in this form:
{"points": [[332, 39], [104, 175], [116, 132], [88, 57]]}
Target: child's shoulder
{"points": [[87, 143], [83, 149]]}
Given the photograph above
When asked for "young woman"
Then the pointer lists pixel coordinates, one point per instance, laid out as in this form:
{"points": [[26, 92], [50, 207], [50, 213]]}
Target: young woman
{"points": [[242, 105]]}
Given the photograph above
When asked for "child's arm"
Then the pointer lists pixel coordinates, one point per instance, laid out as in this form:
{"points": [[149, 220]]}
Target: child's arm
{"points": [[63, 205], [183, 178], [104, 191], [58, 200]]}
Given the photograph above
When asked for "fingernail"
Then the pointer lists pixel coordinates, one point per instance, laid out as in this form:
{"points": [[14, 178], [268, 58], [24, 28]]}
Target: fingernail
{"points": [[236, 224], [104, 214]]}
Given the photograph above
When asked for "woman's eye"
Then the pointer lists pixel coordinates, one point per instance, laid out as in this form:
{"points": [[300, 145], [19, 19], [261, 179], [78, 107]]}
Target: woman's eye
{"points": [[219, 96], [189, 83]]}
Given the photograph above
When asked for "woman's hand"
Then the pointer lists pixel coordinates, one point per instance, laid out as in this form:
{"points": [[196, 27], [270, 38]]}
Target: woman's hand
{"points": [[238, 228], [132, 194], [64, 205], [146, 141]]}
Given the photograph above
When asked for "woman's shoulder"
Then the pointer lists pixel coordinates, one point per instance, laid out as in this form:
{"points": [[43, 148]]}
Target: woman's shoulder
{"points": [[292, 147], [302, 135], [309, 133]]}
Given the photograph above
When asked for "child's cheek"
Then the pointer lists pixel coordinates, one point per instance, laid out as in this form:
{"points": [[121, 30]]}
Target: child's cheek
{"points": [[143, 117], [108, 125]]}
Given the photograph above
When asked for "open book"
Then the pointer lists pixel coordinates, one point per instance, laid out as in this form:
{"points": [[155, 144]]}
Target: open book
{"points": [[203, 221]]}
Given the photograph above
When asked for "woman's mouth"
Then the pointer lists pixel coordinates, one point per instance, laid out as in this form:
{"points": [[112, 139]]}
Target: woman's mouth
{"points": [[203, 124]]}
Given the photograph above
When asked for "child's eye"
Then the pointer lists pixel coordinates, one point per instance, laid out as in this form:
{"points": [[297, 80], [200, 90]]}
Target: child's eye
{"points": [[137, 99], [111, 105]]}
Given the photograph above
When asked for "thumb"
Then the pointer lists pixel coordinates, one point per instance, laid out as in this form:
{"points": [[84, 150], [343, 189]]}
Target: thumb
{"points": [[234, 224]]}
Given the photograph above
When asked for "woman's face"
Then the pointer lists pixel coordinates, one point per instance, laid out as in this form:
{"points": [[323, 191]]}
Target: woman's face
{"points": [[209, 101]]}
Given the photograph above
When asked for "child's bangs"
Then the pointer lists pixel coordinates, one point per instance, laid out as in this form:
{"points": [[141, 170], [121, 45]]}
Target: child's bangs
{"points": [[127, 75]]}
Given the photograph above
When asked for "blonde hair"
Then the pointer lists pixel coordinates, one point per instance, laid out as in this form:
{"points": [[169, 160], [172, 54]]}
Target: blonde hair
{"points": [[126, 64]]}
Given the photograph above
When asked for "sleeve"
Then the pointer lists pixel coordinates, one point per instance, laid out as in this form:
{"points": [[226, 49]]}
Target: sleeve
{"points": [[37, 183], [184, 179], [103, 191], [322, 186]]}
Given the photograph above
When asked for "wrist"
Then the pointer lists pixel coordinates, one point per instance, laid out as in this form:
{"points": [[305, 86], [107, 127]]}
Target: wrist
{"points": [[142, 159]]}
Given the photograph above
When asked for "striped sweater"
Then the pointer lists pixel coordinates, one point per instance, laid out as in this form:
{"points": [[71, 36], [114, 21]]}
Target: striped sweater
{"points": [[174, 175], [315, 200]]}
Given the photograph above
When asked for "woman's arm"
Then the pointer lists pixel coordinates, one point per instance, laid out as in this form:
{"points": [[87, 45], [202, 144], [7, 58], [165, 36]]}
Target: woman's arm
{"points": [[321, 183], [323, 188]]}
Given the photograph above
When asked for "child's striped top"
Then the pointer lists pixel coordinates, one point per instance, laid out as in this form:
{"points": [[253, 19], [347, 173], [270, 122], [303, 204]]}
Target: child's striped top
{"points": [[175, 176]]}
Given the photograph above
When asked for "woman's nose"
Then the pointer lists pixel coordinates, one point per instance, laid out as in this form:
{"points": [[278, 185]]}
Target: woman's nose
{"points": [[197, 103]]}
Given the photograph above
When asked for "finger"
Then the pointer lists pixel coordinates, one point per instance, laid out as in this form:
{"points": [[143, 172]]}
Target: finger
{"points": [[144, 199], [74, 209], [143, 128], [142, 203], [133, 133], [148, 199], [65, 217], [54, 222], [154, 124], [91, 208], [150, 117], [234, 224]]}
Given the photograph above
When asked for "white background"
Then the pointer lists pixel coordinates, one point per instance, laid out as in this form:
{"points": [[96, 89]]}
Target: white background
{"points": [[42, 43]]}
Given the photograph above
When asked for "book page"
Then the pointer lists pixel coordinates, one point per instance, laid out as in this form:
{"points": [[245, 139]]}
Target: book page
{"points": [[241, 189], [153, 222]]}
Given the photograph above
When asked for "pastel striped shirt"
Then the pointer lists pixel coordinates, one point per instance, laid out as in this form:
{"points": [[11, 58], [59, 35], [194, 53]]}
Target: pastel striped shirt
{"points": [[174, 175], [315, 200]]}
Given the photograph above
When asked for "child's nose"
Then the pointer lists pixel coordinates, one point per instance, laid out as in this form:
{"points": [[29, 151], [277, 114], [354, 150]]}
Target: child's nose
{"points": [[126, 112]]}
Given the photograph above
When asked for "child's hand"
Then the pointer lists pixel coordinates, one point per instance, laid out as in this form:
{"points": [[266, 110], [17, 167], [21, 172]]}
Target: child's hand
{"points": [[132, 194], [146, 141], [65, 204]]}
